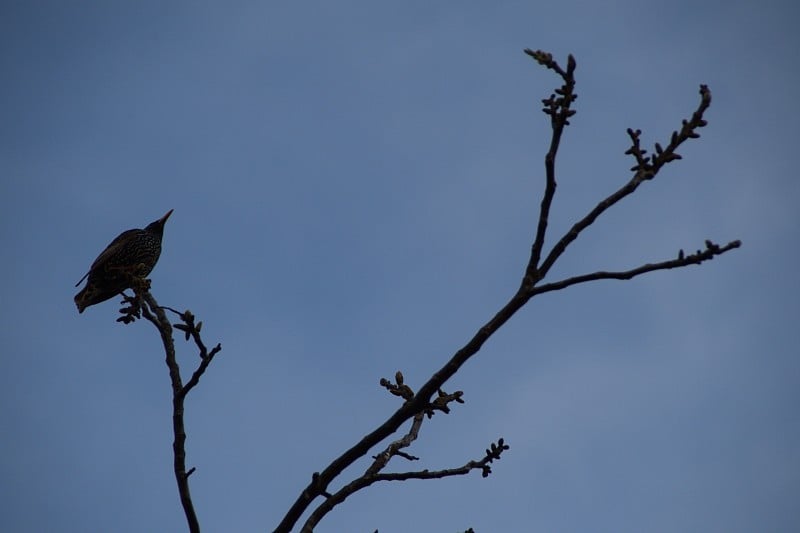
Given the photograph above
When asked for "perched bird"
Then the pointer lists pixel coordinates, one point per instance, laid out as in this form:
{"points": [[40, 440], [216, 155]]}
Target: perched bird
{"points": [[133, 254]]}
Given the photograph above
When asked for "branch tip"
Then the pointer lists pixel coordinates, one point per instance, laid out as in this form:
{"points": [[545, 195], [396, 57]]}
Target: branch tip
{"points": [[399, 388]]}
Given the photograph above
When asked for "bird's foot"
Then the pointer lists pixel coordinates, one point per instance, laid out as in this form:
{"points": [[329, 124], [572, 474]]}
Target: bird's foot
{"points": [[139, 284], [133, 310]]}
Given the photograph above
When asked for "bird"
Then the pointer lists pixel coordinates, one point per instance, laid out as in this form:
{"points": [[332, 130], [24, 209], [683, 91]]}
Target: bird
{"points": [[132, 255]]}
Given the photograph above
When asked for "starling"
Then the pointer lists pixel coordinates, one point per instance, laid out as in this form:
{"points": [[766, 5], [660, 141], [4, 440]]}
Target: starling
{"points": [[133, 254]]}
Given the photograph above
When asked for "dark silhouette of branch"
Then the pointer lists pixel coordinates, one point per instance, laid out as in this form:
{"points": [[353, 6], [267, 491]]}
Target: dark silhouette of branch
{"points": [[558, 109], [492, 454], [394, 449], [142, 303], [683, 260], [647, 167], [380, 461], [193, 331]]}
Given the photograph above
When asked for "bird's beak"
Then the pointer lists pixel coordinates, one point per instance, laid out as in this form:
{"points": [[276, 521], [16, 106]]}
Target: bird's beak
{"points": [[163, 219]]}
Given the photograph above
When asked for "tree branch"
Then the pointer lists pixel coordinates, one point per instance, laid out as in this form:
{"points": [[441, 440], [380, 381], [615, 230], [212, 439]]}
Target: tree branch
{"points": [[683, 260], [372, 474], [420, 402], [646, 168], [158, 318], [558, 107], [492, 454], [193, 331], [144, 304]]}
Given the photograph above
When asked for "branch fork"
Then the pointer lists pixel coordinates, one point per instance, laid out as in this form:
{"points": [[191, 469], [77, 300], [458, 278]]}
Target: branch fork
{"points": [[416, 405], [142, 303]]}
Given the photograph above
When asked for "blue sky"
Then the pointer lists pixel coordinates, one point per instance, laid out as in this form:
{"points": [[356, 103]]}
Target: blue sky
{"points": [[355, 187]]}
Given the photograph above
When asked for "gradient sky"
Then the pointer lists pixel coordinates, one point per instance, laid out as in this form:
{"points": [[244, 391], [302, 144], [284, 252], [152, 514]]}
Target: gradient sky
{"points": [[355, 187]]}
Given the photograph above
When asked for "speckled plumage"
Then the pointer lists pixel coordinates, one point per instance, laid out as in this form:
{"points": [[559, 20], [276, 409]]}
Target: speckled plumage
{"points": [[133, 254]]}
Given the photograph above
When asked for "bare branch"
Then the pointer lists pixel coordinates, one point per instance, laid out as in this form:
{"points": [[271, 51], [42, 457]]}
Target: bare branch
{"points": [[558, 107], [192, 330], [380, 461], [156, 316], [439, 404], [646, 168], [493, 453], [405, 455], [383, 458], [683, 260], [394, 449], [142, 303], [418, 404]]}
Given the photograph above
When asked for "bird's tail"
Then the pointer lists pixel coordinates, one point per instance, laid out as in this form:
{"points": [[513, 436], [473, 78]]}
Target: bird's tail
{"points": [[83, 298]]}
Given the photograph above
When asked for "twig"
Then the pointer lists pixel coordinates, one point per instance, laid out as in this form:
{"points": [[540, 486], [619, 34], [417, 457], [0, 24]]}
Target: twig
{"points": [[646, 168], [558, 108], [683, 260], [383, 458], [399, 388], [192, 330], [493, 453], [373, 474]]}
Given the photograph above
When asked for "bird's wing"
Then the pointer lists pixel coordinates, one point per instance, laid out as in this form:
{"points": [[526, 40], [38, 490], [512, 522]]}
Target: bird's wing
{"points": [[109, 252]]}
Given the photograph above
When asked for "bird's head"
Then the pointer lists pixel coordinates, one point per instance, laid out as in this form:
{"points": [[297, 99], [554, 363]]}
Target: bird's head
{"points": [[158, 225]]}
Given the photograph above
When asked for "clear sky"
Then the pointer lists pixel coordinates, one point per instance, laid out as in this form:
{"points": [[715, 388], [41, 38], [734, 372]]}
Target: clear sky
{"points": [[355, 187]]}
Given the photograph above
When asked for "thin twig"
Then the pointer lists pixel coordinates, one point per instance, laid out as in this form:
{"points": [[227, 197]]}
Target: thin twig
{"points": [[646, 169], [558, 108], [697, 258], [493, 453], [192, 330], [383, 458]]}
